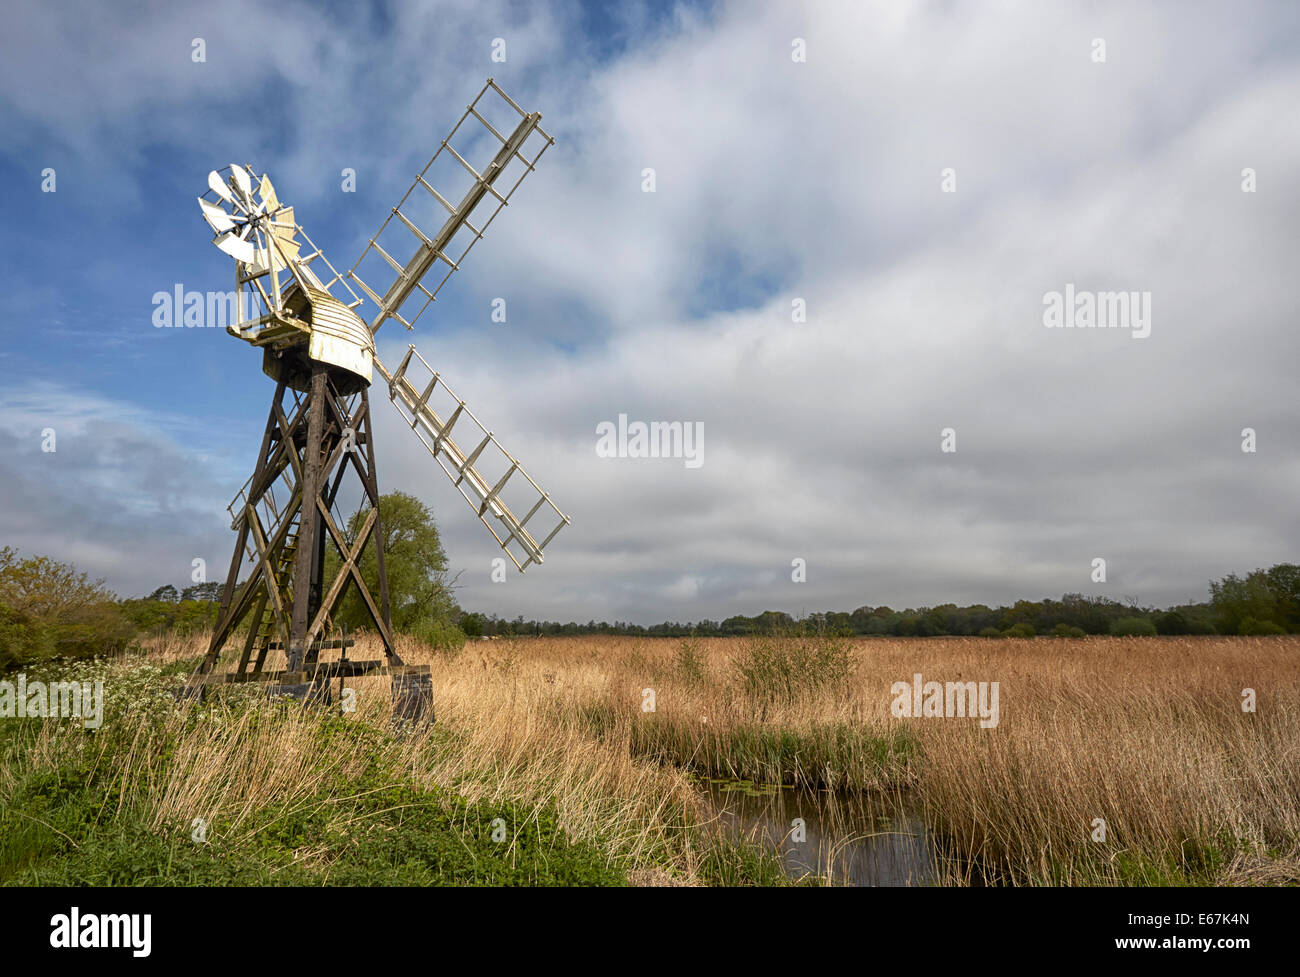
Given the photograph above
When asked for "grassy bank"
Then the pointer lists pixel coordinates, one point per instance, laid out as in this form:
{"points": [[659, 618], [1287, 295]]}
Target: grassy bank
{"points": [[242, 791], [578, 754]]}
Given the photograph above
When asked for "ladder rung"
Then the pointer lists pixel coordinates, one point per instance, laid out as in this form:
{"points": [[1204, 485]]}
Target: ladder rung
{"points": [[469, 462], [412, 228], [441, 199], [366, 288], [496, 489], [487, 125], [446, 428], [401, 272]]}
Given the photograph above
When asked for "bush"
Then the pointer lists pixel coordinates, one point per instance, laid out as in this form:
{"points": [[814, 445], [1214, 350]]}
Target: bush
{"points": [[990, 633], [1252, 626], [437, 634], [53, 609], [22, 639], [1133, 627], [100, 629], [1063, 630], [1022, 630], [1172, 622]]}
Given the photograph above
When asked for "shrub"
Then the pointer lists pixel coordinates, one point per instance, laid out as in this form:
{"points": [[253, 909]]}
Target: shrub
{"points": [[990, 633], [437, 634], [22, 639], [1133, 627], [53, 609], [1022, 630], [1251, 626], [99, 629], [1172, 622], [1063, 630]]}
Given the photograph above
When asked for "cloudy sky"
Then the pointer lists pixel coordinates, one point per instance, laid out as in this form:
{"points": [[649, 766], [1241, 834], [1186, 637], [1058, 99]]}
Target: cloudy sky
{"points": [[914, 177]]}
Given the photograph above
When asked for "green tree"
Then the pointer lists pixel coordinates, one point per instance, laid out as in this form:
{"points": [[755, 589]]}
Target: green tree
{"points": [[1237, 600], [419, 591], [1172, 622], [1133, 627], [22, 639], [53, 608], [1284, 582], [208, 591]]}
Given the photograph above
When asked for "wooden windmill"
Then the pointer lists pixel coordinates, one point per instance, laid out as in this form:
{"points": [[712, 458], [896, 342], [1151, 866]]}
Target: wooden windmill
{"points": [[315, 327]]}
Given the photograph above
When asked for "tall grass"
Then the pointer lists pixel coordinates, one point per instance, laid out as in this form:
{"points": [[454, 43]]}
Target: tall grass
{"points": [[1147, 735]]}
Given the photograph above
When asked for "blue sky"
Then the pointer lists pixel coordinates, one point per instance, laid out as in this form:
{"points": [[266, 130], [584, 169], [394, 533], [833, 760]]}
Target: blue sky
{"points": [[776, 180]]}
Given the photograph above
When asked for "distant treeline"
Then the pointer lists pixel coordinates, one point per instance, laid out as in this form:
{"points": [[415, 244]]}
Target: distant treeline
{"points": [[1262, 602], [51, 609]]}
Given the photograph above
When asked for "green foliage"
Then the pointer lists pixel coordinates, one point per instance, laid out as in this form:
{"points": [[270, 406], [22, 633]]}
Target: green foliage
{"points": [[1267, 599], [369, 828], [166, 594], [1251, 626], [743, 863], [1284, 582], [58, 833], [1092, 615], [1022, 630], [442, 635], [1172, 622], [1133, 627], [420, 595], [1063, 630], [182, 617], [22, 639], [52, 609], [44, 588]]}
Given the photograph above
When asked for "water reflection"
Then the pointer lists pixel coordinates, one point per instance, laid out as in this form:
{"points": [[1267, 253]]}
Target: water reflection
{"points": [[849, 839]]}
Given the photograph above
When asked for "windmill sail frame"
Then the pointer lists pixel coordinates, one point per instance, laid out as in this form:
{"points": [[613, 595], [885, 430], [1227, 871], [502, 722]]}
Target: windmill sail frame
{"points": [[431, 245]]}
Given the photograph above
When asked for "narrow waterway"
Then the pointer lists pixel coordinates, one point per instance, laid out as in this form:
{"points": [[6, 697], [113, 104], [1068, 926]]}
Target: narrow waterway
{"points": [[847, 839]]}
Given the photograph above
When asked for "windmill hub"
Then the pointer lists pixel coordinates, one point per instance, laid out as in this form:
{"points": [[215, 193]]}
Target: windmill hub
{"points": [[316, 329]]}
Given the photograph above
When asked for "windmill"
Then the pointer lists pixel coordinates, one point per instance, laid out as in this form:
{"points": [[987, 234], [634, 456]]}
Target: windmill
{"points": [[315, 327]]}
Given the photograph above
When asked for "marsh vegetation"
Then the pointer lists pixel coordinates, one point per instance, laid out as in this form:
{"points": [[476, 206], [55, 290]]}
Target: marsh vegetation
{"points": [[550, 764]]}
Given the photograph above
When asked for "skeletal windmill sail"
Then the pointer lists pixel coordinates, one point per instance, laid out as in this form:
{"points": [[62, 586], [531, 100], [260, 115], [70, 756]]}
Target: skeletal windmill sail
{"points": [[488, 477], [429, 227]]}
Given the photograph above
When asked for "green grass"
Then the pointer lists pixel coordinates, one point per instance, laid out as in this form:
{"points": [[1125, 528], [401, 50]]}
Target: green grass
{"points": [[59, 826], [81, 807], [823, 756]]}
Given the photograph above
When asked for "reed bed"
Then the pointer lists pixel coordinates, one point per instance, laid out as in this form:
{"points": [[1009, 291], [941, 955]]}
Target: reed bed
{"points": [[604, 735]]}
